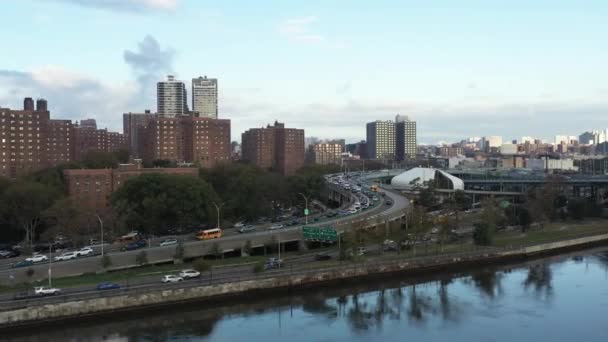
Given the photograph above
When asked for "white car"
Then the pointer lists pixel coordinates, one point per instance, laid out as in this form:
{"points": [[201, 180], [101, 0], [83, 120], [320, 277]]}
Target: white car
{"points": [[37, 258], [85, 251], [239, 225], [67, 256], [46, 291], [168, 242], [189, 274], [171, 278], [276, 226]]}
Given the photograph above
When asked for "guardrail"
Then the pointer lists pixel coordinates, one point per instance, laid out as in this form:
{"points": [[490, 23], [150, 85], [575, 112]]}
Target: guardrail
{"points": [[209, 280]]}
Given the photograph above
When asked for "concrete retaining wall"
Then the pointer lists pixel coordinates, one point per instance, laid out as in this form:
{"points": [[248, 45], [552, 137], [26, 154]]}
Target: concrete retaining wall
{"points": [[83, 308]]}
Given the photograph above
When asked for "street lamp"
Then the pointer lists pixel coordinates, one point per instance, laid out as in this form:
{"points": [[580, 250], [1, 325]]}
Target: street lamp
{"points": [[218, 207], [306, 210], [101, 226]]}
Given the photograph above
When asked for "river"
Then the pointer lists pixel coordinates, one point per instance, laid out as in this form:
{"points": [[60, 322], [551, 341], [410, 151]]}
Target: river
{"points": [[562, 298]]}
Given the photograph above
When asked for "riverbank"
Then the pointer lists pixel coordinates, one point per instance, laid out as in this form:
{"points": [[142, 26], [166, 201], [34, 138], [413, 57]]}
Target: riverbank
{"points": [[25, 314]]}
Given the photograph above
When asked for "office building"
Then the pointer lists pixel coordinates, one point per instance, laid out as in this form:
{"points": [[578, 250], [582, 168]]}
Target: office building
{"points": [[381, 140], [405, 135], [274, 147], [204, 97], [171, 97]]}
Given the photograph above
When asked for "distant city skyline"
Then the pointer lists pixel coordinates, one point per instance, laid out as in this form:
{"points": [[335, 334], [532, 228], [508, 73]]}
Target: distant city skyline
{"points": [[510, 69]]}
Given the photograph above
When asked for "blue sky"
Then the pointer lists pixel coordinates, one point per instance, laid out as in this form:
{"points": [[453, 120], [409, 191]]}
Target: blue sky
{"points": [[460, 68]]}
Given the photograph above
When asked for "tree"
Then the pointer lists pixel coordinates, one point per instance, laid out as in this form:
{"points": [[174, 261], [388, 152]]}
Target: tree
{"points": [[426, 195], [491, 214], [106, 261], [576, 208], [419, 225], [100, 160], [23, 205], [66, 218], [152, 203], [201, 265], [216, 251], [122, 155], [483, 234], [247, 247], [141, 258]]}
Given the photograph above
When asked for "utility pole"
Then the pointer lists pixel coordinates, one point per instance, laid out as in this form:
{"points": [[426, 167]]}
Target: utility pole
{"points": [[101, 225], [218, 207], [306, 209], [50, 264]]}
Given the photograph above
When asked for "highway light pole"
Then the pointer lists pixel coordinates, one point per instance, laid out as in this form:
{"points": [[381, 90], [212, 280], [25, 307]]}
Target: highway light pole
{"points": [[306, 210], [218, 207], [50, 264], [101, 226]]}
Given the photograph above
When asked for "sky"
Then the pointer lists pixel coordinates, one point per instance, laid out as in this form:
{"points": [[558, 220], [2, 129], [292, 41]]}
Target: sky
{"points": [[459, 68]]}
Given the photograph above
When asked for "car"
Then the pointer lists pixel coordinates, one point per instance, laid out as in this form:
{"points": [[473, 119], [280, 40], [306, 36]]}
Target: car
{"points": [[107, 286], [246, 229], [361, 251], [389, 202], [389, 245], [168, 242], [9, 253], [67, 256], [135, 245], [23, 263], [171, 278], [322, 256], [276, 226], [37, 258], [86, 251], [189, 274], [272, 263], [46, 291], [239, 225]]}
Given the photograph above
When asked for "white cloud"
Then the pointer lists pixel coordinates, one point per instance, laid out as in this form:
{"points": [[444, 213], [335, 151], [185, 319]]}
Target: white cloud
{"points": [[298, 29], [126, 5], [71, 95]]}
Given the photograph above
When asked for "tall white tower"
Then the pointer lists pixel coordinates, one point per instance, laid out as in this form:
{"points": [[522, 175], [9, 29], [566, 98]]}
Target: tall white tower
{"points": [[204, 97]]}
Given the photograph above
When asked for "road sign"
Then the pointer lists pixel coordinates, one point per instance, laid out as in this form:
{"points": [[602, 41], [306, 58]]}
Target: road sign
{"points": [[306, 211], [325, 234]]}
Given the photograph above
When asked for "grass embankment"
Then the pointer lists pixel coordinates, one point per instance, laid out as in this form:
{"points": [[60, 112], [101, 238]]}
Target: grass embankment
{"points": [[551, 232]]}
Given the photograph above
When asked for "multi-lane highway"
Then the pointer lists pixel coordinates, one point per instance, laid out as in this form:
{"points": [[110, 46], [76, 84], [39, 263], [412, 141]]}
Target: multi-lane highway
{"points": [[231, 241]]}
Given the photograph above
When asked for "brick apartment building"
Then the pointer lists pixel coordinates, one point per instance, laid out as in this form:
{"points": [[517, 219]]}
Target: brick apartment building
{"points": [[134, 126], [274, 147], [30, 140], [92, 187], [87, 138], [329, 152], [186, 139]]}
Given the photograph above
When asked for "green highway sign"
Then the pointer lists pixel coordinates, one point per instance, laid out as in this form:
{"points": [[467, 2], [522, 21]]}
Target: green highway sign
{"points": [[326, 234], [306, 211]]}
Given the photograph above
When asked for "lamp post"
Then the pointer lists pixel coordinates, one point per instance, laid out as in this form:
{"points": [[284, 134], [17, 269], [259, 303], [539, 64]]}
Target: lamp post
{"points": [[218, 207], [306, 204], [50, 264], [101, 226]]}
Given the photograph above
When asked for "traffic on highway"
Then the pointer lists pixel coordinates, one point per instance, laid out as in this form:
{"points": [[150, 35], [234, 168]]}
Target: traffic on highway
{"points": [[367, 201]]}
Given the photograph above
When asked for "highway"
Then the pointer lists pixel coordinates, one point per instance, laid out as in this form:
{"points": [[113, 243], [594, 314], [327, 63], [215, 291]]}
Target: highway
{"points": [[231, 241]]}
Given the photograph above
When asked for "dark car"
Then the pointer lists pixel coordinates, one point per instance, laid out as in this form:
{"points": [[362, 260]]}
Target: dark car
{"points": [[389, 203], [107, 286], [23, 263], [322, 256], [135, 245], [9, 253]]}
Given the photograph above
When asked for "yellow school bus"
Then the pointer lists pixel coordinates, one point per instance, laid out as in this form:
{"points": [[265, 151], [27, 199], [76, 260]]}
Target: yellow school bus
{"points": [[209, 234]]}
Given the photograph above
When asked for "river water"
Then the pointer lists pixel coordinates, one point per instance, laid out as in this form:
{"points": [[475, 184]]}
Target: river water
{"points": [[562, 298]]}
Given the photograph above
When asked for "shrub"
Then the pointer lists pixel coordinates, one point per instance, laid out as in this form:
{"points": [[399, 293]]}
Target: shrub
{"points": [[258, 268], [201, 265], [483, 234], [141, 258], [106, 261]]}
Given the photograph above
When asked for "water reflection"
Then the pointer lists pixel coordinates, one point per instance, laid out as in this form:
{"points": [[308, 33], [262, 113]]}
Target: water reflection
{"points": [[381, 310]]}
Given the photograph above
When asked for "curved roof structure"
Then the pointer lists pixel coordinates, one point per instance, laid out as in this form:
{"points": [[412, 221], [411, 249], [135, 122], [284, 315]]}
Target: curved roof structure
{"points": [[416, 177]]}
